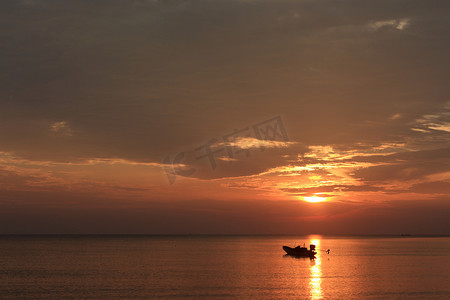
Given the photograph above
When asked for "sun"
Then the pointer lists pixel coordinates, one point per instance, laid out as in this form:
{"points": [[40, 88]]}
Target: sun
{"points": [[314, 199]]}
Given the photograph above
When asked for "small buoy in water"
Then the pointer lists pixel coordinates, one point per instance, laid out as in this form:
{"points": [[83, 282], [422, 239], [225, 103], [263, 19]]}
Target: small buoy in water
{"points": [[328, 251]]}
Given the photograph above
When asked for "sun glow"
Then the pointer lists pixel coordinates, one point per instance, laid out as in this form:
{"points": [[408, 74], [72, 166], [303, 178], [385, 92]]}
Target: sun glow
{"points": [[314, 199]]}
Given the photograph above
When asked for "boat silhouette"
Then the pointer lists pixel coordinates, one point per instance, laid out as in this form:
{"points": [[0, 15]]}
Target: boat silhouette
{"points": [[301, 251]]}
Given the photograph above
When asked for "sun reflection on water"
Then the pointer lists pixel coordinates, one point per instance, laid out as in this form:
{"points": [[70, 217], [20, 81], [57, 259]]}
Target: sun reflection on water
{"points": [[316, 273]]}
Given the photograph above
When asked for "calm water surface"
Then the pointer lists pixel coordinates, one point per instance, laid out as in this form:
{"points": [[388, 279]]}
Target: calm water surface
{"points": [[222, 267]]}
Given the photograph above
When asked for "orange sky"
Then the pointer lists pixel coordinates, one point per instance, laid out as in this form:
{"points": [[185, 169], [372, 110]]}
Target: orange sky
{"points": [[108, 111]]}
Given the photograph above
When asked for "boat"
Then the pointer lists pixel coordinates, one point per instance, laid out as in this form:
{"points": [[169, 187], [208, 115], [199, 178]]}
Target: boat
{"points": [[301, 251]]}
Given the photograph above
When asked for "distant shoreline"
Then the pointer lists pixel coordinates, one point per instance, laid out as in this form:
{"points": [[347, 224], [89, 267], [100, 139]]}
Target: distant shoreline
{"points": [[70, 235]]}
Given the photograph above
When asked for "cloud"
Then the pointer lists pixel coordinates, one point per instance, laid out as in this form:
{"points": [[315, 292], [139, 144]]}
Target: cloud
{"points": [[62, 128], [436, 187], [377, 170], [400, 24], [101, 176], [407, 174], [439, 121], [250, 142], [440, 127], [395, 116], [161, 80]]}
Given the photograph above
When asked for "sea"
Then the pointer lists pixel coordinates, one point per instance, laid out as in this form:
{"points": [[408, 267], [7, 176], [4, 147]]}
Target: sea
{"points": [[223, 267]]}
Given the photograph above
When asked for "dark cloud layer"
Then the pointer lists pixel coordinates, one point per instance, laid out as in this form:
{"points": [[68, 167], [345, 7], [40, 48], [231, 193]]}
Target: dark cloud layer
{"points": [[140, 79]]}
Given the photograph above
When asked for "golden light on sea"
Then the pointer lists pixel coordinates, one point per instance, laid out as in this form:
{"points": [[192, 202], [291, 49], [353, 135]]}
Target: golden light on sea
{"points": [[315, 279]]}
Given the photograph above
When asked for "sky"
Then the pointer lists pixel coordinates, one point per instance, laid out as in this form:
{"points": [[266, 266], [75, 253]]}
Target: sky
{"points": [[225, 117]]}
